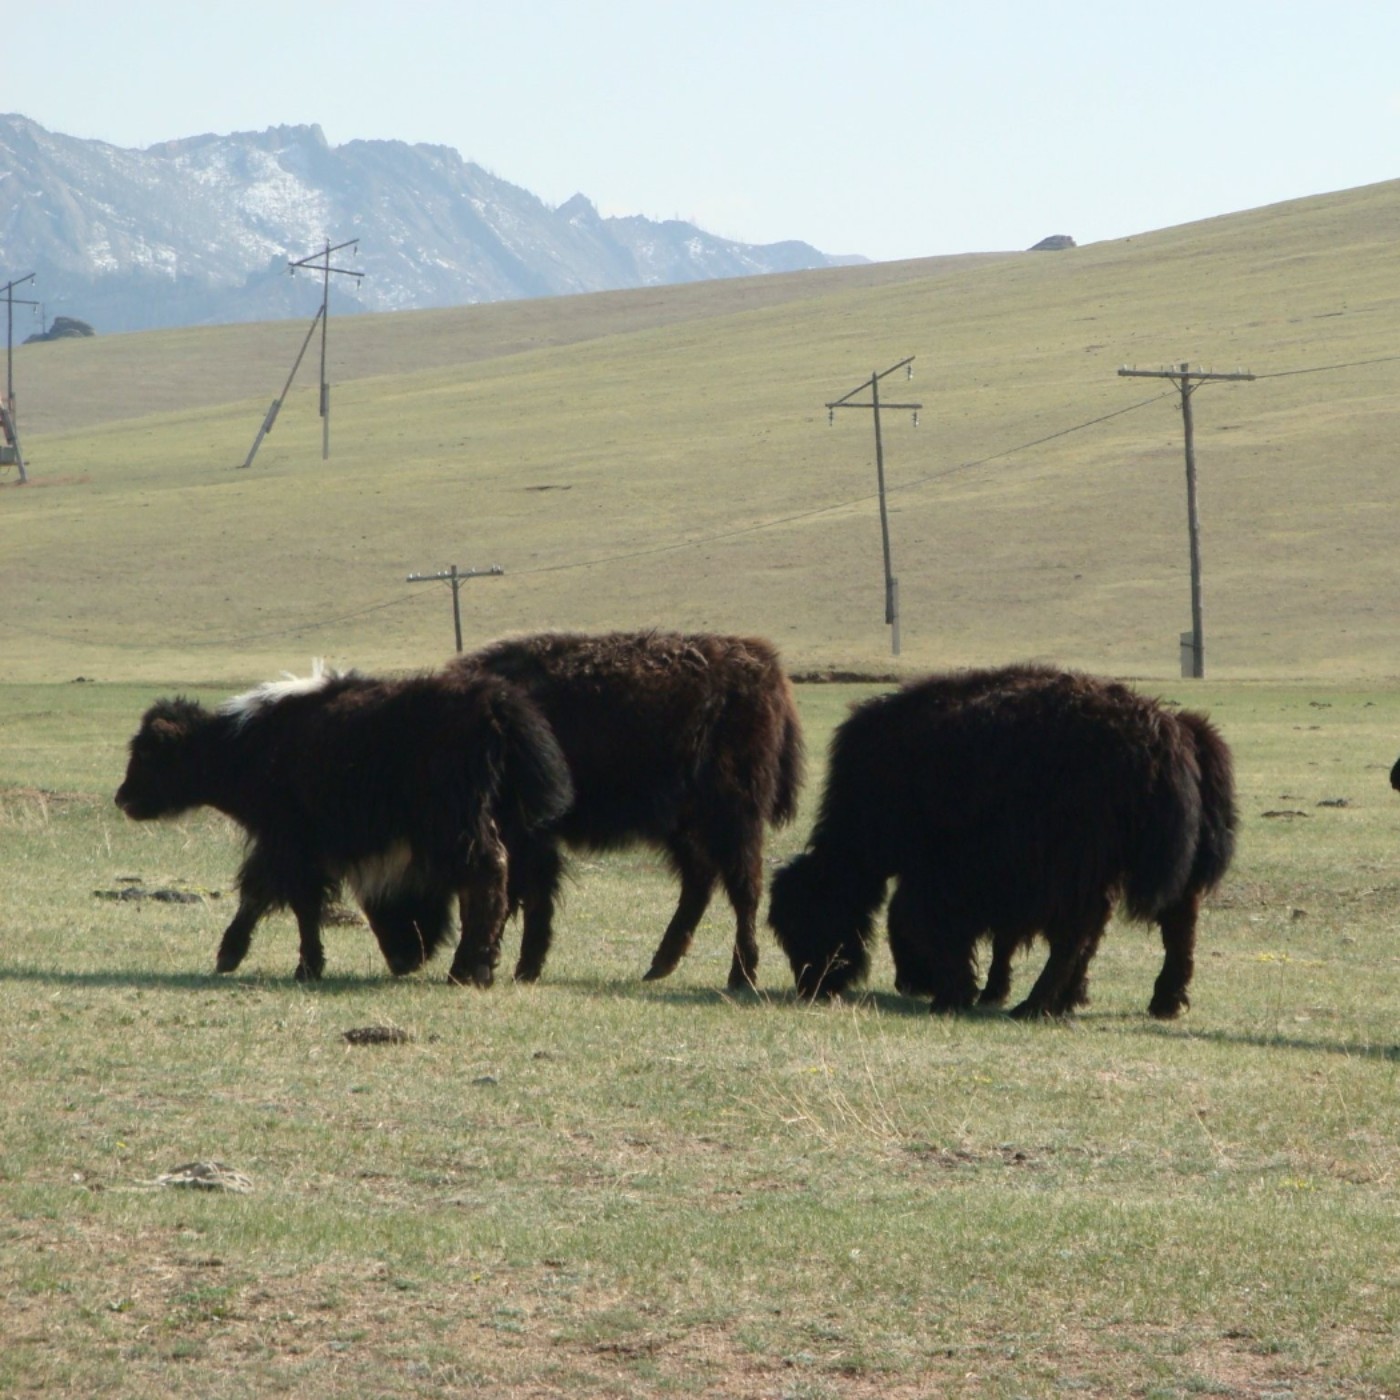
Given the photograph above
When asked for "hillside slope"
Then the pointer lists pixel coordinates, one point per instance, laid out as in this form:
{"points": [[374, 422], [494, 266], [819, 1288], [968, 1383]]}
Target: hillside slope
{"points": [[667, 461]]}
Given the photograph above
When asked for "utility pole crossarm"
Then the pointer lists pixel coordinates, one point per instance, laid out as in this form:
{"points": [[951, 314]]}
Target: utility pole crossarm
{"points": [[1182, 373]]}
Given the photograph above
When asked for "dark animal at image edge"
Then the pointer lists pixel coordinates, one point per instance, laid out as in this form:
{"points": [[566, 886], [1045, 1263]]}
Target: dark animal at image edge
{"points": [[1005, 804], [688, 743], [404, 789]]}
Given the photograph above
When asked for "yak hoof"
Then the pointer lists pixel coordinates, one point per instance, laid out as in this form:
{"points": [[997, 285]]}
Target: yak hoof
{"points": [[482, 975], [1168, 1009], [657, 971], [527, 972], [306, 972]]}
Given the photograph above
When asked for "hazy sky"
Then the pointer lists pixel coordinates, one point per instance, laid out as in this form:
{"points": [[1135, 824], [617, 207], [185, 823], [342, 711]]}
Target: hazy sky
{"points": [[893, 129]]}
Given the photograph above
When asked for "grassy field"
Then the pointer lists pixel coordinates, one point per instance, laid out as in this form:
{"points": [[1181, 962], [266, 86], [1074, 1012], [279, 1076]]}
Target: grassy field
{"points": [[663, 458], [599, 1187]]}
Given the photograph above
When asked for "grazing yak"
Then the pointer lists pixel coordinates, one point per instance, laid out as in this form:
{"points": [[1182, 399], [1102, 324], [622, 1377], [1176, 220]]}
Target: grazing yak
{"points": [[407, 790], [1008, 803], [1395, 775], [691, 744]]}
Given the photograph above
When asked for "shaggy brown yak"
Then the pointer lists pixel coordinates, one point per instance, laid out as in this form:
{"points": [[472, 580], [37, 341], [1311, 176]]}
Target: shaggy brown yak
{"points": [[1008, 803], [404, 789], [689, 743]]}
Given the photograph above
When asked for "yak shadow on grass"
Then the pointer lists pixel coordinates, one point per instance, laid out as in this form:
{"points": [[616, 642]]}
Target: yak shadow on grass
{"points": [[884, 1003], [151, 980], [1350, 1049]]}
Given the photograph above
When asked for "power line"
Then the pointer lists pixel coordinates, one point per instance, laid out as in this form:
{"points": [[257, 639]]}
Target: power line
{"points": [[1327, 369]]}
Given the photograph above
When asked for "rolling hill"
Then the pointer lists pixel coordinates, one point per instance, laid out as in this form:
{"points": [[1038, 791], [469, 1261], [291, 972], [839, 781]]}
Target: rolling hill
{"points": [[663, 458]]}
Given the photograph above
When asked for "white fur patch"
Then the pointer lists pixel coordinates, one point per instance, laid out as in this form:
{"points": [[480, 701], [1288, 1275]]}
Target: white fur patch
{"points": [[243, 707], [380, 874]]}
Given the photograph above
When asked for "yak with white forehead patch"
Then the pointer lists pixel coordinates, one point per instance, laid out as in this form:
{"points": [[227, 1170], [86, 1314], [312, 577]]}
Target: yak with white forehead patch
{"points": [[407, 790]]}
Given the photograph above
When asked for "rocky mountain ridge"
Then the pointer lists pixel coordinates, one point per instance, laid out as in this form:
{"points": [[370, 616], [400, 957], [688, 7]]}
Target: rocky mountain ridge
{"points": [[201, 230]]}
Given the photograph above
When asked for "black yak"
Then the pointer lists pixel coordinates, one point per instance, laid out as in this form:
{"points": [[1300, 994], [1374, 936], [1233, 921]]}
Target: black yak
{"points": [[1005, 804], [407, 790], [1395, 775], [691, 744]]}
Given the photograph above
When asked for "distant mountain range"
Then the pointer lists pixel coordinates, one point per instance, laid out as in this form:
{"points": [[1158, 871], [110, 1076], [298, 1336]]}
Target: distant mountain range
{"points": [[201, 230]]}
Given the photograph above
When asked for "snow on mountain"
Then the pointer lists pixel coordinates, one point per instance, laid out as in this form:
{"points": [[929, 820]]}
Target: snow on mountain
{"points": [[201, 229]]}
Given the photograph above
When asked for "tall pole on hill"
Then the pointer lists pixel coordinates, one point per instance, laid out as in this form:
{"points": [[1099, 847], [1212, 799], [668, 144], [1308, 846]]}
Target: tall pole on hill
{"points": [[9, 427], [1187, 380], [10, 299], [322, 262], [874, 404]]}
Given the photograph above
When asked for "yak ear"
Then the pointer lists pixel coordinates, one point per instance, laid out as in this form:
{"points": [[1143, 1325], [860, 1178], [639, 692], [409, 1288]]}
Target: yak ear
{"points": [[172, 719]]}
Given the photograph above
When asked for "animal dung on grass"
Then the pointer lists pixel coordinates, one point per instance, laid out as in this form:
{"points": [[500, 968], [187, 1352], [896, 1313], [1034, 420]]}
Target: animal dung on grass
{"points": [[406, 790], [1004, 804], [687, 743], [206, 1176], [377, 1035]]}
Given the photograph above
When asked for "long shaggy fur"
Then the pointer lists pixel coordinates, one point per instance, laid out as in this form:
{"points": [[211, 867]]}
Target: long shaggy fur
{"points": [[406, 790], [690, 744], [1008, 804]]}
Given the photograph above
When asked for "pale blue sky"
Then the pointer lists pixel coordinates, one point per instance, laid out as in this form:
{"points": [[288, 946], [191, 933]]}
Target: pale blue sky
{"points": [[893, 129]]}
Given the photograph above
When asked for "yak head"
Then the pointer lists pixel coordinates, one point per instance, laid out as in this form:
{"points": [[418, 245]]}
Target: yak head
{"points": [[164, 771], [822, 913]]}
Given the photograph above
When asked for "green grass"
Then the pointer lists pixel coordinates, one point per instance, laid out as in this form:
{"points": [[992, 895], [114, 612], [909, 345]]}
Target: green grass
{"points": [[662, 458], [604, 1187]]}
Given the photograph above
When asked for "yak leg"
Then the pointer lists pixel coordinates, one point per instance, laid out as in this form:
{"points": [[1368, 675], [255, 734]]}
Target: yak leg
{"points": [[535, 868], [308, 908], [1073, 943], [483, 903], [697, 874], [1179, 941], [233, 947], [998, 985], [742, 874], [931, 944]]}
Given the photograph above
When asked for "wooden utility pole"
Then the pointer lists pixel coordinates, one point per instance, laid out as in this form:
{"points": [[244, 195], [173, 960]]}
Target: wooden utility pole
{"points": [[1187, 381], [845, 401], [456, 577], [319, 262], [10, 453]]}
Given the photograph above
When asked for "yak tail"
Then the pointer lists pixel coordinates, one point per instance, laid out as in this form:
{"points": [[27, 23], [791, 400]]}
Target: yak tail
{"points": [[792, 764], [1215, 847], [530, 771], [1160, 861]]}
